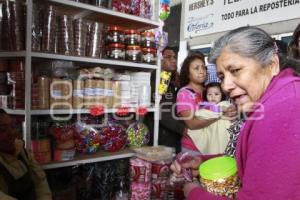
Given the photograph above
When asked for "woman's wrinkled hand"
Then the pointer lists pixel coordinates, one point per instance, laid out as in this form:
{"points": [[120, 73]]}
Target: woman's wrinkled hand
{"points": [[193, 164]]}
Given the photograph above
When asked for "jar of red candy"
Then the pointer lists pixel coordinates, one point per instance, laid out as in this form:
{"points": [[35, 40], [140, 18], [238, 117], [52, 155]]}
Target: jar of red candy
{"points": [[115, 51], [148, 39], [63, 134], [113, 137], [132, 37], [121, 5], [115, 34], [133, 53], [149, 56]]}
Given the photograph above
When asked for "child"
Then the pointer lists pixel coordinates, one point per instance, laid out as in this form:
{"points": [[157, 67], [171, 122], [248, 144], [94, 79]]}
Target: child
{"points": [[214, 138]]}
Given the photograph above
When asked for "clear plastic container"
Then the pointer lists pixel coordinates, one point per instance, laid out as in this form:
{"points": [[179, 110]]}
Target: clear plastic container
{"points": [[149, 56], [219, 176], [116, 51], [133, 53], [148, 39], [132, 37], [115, 34]]}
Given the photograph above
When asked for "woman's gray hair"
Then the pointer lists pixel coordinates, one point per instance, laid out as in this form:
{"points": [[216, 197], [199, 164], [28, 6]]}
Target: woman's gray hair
{"points": [[248, 42]]}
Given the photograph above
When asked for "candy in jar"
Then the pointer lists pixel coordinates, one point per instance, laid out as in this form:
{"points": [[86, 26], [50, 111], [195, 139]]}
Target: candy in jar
{"points": [[219, 176], [113, 137], [138, 134], [87, 139]]}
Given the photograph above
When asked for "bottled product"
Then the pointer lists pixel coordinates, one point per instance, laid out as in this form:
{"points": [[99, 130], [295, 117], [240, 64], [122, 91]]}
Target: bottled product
{"points": [[148, 39], [132, 37], [133, 53], [115, 34], [116, 51], [149, 55]]}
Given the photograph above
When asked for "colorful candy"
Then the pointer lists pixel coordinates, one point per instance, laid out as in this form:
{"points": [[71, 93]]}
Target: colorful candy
{"points": [[113, 137], [87, 139], [138, 134]]}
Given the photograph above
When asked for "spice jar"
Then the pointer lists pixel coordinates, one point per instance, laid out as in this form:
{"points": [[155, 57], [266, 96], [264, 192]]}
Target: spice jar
{"points": [[116, 51], [115, 34], [148, 39], [132, 37], [149, 55], [219, 176], [133, 53]]}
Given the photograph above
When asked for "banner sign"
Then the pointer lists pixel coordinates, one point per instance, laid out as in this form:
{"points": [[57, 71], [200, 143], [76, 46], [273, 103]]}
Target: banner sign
{"points": [[204, 17]]}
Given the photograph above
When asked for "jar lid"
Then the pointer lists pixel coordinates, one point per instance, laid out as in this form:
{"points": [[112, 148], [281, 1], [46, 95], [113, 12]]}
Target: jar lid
{"points": [[218, 168], [116, 45], [148, 33], [133, 47], [115, 28], [132, 31], [151, 50]]}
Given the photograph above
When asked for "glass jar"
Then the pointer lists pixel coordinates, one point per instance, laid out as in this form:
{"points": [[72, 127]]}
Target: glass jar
{"points": [[133, 53], [148, 39], [219, 176], [115, 34], [149, 55], [116, 51], [132, 37]]}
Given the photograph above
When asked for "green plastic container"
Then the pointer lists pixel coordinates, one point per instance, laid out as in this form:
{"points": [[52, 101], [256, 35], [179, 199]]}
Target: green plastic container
{"points": [[219, 176]]}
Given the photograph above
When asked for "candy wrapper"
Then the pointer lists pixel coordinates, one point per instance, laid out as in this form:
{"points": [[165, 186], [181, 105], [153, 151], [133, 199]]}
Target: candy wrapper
{"points": [[182, 158], [140, 191], [158, 190], [161, 170], [138, 134], [140, 170], [113, 137], [87, 139], [121, 5], [63, 134], [165, 78]]}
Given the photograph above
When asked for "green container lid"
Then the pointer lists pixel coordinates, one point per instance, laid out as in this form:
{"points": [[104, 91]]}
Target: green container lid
{"points": [[218, 168]]}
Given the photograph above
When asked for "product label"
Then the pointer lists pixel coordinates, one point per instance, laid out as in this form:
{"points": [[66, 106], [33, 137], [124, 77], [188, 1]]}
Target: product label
{"points": [[56, 93], [78, 93], [88, 91], [108, 93], [99, 92]]}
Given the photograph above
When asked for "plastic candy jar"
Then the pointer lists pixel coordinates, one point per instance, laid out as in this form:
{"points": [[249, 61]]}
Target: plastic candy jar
{"points": [[219, 176], [116, 51], [149, 55], [133, 53]]}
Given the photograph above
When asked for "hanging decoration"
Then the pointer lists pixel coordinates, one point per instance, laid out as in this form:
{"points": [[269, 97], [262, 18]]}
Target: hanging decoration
{"points": [[164, 10]]}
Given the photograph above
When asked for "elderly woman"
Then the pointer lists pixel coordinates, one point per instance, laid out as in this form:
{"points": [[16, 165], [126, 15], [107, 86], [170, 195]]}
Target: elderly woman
{"points": [[265, 87], [294, 45], [20, 175]]}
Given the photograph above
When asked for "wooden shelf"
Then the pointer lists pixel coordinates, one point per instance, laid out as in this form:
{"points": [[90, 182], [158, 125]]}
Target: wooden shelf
{"points": [[97, 157]]}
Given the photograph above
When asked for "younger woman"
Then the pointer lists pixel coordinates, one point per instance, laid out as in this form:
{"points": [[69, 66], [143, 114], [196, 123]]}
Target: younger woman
{"points": [[192, 78]]}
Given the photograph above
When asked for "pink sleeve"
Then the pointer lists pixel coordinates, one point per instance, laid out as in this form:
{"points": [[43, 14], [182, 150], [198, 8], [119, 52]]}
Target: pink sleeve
{"points": [[270, 153], [200, 194], [185, 101]]}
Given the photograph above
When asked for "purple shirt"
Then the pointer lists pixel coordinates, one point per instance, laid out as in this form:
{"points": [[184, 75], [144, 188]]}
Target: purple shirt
{"points": [[268, 150]]}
